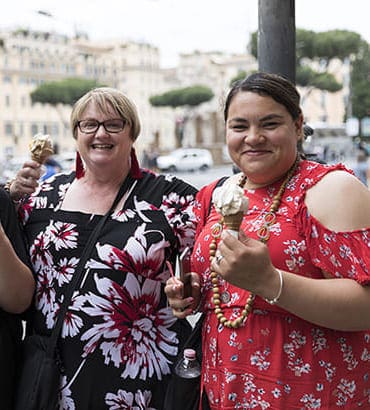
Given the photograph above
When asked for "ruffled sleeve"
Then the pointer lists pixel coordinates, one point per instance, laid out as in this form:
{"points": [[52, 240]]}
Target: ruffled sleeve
{"points": [[343, 254]]}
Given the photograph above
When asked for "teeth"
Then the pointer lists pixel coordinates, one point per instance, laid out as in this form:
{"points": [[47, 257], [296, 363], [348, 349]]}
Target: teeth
{"points": [[102, 146]]}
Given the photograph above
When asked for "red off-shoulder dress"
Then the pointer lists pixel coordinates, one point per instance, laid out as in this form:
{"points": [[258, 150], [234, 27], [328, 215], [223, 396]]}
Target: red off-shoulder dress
{"points": [[277, 360]]}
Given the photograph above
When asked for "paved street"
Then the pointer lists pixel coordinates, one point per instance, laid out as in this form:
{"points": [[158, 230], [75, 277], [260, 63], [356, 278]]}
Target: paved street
{"points": [[201, 178]]}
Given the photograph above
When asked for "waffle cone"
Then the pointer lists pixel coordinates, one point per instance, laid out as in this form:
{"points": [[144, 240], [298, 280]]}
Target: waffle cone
{"points": [[42, 156], [41, 149], [234, 221]]}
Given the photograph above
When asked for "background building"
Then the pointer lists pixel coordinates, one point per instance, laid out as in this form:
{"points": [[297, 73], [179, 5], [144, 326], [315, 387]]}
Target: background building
{"points": [[30, 58]]}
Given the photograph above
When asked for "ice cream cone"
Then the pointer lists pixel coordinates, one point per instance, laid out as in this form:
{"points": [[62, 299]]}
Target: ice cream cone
{"points": [[233, 221], [232, 204], [41, 148]]}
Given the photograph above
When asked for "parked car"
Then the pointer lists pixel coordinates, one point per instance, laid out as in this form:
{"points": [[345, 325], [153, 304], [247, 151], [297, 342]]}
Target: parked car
{"points": [[185, 159]]}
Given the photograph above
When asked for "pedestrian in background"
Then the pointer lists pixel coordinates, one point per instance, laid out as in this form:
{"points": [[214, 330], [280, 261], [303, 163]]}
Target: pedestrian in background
{"points": [[287, 303], [361, 167], [51, 167], [119, 337]]}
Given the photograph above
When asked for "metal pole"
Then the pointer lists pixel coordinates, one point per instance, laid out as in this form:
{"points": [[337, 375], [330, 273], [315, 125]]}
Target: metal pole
{"points": [[276, 37]]}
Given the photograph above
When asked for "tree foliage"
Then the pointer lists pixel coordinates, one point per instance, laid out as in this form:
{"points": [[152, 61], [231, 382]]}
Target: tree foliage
{"points": [[327, 45], [188, 96], [318, 49], [315, 51], [66, 91], [307, 77], [360, 82], [240, 76]]}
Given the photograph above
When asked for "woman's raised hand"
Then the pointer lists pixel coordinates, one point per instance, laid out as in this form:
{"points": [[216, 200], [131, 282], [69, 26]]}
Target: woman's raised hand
{"points": [[26, 180]]}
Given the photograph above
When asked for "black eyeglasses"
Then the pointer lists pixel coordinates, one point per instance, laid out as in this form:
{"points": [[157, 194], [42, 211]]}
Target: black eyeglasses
{"points": [[112, 126]]}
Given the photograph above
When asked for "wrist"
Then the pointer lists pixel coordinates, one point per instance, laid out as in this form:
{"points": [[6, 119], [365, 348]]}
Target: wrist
{"points": [[277, 296], [7, 187], [8, 184]]}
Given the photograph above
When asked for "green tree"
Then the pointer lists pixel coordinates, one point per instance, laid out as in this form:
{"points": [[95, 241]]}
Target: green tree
{"points": [[318, 49], [360, 82], [240, 76], [66, 91], [190, 97]]}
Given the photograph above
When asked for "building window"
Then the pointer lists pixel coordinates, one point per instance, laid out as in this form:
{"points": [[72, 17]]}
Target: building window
{"points": [[7, 100], [55, 129], [34, 129], [8, 129]]}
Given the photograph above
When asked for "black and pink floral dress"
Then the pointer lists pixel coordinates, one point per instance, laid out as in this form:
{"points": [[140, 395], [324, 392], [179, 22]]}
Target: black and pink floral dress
{"points": [[119, 336]]}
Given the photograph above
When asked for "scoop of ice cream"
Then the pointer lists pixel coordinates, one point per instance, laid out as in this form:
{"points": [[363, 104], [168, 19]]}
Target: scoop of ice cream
{"points": [[41, 147], [229, 199]]}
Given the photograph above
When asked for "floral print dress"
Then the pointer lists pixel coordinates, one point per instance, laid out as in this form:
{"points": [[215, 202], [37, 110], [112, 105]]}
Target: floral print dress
{"points": [[119, 336], [277, 360]]}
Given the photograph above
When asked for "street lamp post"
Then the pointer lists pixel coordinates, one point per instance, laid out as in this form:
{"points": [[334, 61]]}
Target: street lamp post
{"points": [[276, 37]]}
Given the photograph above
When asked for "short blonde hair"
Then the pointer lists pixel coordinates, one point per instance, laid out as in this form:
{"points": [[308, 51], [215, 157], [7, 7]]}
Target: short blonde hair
{"points": [[107, 98]]}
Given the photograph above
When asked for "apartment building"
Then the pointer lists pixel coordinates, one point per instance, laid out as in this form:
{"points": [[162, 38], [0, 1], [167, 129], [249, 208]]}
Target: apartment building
{"points": [[30, 58]]}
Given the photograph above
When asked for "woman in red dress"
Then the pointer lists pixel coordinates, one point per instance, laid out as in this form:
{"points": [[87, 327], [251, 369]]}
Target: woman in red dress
{"points": [[287, 301]]}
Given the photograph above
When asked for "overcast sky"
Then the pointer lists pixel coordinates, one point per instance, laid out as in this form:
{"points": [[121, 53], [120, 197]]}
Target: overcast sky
{"points": [[177, 26]]}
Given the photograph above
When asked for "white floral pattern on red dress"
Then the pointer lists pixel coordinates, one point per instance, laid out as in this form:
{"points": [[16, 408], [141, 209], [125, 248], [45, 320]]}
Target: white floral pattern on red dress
{"points": [[277, 360]]}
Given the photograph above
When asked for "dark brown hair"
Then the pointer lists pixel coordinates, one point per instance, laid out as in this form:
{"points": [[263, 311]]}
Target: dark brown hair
{"points": [[275, 86]]}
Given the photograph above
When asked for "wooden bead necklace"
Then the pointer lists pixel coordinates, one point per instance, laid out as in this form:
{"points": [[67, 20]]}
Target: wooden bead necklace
{"points": [[263, 234]]}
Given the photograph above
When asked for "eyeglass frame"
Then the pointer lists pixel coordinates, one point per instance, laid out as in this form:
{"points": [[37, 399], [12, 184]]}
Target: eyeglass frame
{"points": [[99, 123]]}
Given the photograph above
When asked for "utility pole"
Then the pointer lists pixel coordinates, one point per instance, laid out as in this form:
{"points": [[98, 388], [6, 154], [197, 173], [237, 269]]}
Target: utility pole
{"points": [[276, 37]]}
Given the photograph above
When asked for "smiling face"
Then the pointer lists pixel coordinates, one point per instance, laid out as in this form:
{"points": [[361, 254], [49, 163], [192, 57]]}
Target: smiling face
{"points": [[262, 137], [102, 151]]}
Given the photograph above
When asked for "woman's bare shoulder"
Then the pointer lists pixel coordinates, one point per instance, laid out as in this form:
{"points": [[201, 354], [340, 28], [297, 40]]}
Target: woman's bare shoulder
{"points": [[340, 202]]}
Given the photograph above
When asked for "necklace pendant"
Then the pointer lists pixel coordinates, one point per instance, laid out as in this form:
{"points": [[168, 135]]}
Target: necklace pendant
{"points": [[263, 233], [269, 218], [225, 296], [216, 230]]}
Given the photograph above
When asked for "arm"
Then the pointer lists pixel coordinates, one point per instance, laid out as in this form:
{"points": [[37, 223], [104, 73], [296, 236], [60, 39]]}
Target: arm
{"points": [[340, 304], [16, 280], [341, 203]]}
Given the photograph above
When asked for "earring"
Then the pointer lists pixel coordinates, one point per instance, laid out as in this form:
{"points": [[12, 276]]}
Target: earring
{"points": [[80, 169], [135, 167]]}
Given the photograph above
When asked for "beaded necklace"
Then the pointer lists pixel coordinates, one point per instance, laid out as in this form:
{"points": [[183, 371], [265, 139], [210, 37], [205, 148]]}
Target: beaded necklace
{"points": [[263, 234]]}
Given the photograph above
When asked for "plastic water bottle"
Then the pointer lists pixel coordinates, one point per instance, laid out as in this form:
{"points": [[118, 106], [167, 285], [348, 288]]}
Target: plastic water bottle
{"points": [[188, 367]]}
